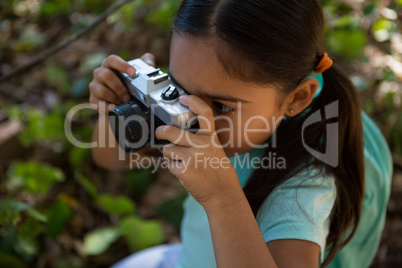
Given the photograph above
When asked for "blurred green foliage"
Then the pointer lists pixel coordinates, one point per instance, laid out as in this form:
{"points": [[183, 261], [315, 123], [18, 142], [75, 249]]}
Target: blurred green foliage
{"points": [[24, 177], [36, 208]]}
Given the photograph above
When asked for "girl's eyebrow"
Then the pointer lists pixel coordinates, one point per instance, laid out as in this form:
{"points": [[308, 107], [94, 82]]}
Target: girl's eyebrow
{"points": [[216, 97]]}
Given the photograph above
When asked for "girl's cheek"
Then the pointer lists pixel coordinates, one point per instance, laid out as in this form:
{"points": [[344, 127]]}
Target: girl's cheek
{"points": [[255, 130], [243, 133], [227, 134]]}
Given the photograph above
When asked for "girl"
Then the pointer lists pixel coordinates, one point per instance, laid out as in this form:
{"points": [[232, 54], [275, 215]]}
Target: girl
{"points": [[258, 78]]}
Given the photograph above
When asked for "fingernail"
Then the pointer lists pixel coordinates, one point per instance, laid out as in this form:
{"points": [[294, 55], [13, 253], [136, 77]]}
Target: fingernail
{"points": [[126, 98], [130, 71], [158, 130], [183, 97]]}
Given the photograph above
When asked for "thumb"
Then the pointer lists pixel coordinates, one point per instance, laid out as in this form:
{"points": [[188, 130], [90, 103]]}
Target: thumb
{"points": [[149, 59]]}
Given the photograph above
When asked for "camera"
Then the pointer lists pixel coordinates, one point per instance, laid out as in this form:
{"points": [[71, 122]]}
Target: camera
{"points": [[155, 102]]}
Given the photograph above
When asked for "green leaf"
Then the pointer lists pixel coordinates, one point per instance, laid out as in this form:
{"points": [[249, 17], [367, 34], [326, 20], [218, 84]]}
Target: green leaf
{"points": [[141, 234], [12, 205], [172, 210], [163, 16], [388, 75], [348, 22], [58, 77], [91, 62], [10, 261], [58, 216], [55, 8], [396, 136], [10, 211], [31, 228], [34, 177], [126, 14], [80, 88], [348, 43], [139, 181], [42, 127], [13, 111], [70, 261], [370, 9], [78, 157], [98, 241], [383, 29], [119, 205], [95, 5], [87, 184], [84, 133], [30, 39], [36, 215], [152, 234], [25, 248]]}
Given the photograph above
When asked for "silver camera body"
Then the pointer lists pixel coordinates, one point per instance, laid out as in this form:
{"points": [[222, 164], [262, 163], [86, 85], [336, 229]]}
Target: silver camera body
{"points": [[155, 101], [148, 85]]}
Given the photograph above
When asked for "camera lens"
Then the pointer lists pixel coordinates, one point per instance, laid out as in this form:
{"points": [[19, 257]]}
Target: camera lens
{"points": [[131, 123]]}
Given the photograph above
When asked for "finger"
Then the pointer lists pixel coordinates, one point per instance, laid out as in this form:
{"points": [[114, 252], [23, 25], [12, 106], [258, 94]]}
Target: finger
{"points": [[177, 168], [173, 152], [203, 111], [116, 63], [176, 135], [174, 157], [103, 93], [101, 106], [110, 79], [149, 59]]}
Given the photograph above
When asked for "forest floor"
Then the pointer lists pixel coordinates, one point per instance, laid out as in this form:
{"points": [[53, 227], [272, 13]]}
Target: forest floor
{"points": [[32, 88]]}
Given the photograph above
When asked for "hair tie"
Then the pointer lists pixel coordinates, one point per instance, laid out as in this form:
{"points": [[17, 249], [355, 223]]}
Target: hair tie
{"points": [[324, 64]]}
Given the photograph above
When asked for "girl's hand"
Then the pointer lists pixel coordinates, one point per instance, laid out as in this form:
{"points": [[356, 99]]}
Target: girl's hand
{"points": [[198, 160], [107, 87]]}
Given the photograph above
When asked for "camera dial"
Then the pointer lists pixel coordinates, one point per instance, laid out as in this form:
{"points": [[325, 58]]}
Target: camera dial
{"points": [[170, 94]]}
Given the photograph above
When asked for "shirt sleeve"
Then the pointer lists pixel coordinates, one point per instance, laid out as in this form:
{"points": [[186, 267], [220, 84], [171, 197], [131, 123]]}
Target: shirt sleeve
{"points": [[300, 208]]}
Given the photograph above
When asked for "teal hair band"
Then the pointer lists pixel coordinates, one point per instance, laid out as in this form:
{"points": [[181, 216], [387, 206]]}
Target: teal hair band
{"points": [[320, 79]]}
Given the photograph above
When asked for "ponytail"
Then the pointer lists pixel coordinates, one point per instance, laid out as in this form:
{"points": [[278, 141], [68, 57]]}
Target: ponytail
{"points": [[349, 173]]}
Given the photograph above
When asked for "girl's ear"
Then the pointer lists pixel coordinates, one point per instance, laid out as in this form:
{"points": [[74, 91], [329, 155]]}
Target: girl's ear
{"points": [[301, 97]]}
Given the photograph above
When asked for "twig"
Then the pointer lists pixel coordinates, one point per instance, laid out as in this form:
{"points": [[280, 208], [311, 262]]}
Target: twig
{"points": [[22, 96], [41, 57]]}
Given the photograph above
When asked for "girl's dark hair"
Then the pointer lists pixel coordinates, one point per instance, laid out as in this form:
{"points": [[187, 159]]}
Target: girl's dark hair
{"points": [[279, 43]]}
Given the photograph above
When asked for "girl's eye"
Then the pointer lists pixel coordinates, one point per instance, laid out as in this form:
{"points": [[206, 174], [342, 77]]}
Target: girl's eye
{"points": [[222, 108]]}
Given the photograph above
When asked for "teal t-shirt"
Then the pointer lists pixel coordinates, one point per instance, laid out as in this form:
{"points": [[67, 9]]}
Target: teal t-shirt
{"points": [[300, 209], [361, 250]]}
